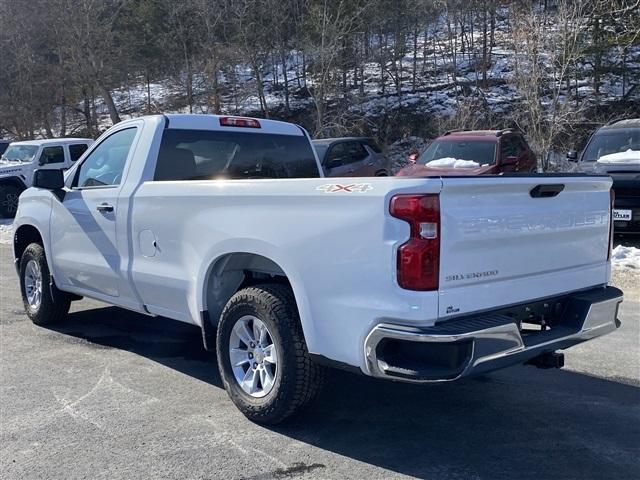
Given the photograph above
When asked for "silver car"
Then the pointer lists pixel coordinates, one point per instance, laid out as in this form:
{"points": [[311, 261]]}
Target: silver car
{"points": [[351, 157]]}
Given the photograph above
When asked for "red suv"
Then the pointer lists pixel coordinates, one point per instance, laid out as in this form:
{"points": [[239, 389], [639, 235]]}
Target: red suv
{"points": [[473, 152]]}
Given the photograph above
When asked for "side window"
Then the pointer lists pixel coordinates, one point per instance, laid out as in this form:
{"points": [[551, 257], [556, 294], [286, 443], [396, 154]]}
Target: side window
{"points": [[521, 144], [338, 152], [356, 152], [76, 150], [105, 163], [51, 155], [509, 147]]}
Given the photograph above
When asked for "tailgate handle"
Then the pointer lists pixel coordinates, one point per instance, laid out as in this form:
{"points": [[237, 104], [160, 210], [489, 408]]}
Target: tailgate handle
{"points": [[544, 191]]}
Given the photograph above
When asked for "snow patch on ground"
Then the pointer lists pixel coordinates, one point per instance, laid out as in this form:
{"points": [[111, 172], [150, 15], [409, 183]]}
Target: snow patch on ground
{"points": [[6, 231], [626, 257]]}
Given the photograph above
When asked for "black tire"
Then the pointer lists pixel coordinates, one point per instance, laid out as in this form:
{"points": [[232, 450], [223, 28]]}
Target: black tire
{"points": [[54, 304], [298, 379], [9, 200], [382, 173]]}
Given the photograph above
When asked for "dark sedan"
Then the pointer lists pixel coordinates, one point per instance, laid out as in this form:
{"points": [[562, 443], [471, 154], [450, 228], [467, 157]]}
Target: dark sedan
{"points": [[351, 157]]}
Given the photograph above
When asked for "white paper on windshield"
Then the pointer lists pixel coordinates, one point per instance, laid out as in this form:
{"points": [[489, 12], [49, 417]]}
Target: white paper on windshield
{"points": [[630, 156], [449, 162]]}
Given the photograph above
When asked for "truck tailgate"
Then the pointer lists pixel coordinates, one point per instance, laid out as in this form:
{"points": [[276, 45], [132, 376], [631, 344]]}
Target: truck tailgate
{"points": [[507, 240]]}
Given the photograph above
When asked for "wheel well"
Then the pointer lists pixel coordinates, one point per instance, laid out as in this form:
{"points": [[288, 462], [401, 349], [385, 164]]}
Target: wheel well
{"points": [[232, 272], [14, 181], [382, 173], [24, 236]]}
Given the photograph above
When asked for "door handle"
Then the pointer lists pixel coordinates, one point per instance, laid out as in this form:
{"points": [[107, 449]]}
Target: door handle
{"points": [[104, 207], [545, 191]]}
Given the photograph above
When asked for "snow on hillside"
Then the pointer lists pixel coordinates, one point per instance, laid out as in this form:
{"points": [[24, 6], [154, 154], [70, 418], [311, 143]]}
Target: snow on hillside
{"points": [[444, 78]]}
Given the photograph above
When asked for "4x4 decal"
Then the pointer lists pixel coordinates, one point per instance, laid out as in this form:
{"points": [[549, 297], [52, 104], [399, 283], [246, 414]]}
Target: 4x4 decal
{"points": [[348, 188]]}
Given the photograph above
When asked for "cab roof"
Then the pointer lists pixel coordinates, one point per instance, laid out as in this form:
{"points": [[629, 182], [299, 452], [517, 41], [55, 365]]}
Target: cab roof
{"points": [[53, 141], [488, 134], [622, 123], [328, 141], [215, 122]]}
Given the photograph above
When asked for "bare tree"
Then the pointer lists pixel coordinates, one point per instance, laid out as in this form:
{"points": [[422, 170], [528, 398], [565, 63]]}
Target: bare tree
{"points": [[545, 53], [89, 43], [329, 23]]}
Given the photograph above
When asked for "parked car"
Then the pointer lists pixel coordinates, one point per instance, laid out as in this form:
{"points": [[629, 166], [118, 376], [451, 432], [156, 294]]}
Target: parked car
{"points": [[351, 157], [473, 152], [614, 149], [227, 223], [21, 159], [3, 145]]}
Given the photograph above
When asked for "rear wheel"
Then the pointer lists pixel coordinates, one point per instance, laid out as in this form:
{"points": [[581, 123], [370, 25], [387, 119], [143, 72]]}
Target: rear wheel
{"points": [[262, 355], [43, 302], [9, 195]]}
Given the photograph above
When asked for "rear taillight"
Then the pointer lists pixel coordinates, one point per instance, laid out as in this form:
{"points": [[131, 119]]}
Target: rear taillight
{"points": [[419, 257], [612, 197], [239, 122]]}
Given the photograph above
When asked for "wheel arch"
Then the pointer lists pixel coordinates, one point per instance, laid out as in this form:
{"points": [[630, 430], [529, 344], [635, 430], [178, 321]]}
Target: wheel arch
{"points": [[24, 236], [232, 271], [14, 181]]}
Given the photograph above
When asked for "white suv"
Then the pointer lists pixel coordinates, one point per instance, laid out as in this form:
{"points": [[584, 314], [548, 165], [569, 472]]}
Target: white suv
{"points": [[20, 160]]}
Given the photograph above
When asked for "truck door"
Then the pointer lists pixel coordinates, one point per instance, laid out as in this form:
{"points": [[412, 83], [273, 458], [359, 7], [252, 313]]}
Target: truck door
{"points": [[83, 225]]}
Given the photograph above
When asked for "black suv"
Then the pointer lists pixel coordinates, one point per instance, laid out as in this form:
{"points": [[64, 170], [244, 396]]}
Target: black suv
{"points": [[615, 149]]}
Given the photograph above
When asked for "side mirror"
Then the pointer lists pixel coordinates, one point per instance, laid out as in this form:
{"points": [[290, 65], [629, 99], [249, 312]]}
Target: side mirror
{"points": [[572, 156], [413, 158], [334, 163], [49, 179], [42, 160], [510, 160]]}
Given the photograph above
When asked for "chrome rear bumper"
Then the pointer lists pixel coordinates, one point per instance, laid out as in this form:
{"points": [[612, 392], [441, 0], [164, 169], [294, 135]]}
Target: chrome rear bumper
{"points": [[478, 344]]}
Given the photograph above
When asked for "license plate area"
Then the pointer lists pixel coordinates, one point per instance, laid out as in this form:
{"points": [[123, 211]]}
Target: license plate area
{"points": [[621, 215]]}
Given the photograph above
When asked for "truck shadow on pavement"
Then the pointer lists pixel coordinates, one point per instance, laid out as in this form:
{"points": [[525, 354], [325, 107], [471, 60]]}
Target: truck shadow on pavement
{"points": [[518, 423], [177, 345]]}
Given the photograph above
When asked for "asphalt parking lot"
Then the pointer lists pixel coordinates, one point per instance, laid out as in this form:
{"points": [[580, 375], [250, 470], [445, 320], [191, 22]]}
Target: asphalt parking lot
{"points": [[113, 394]]}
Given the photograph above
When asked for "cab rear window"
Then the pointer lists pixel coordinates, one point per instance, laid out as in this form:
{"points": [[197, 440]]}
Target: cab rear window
{"points": [[208, 155]]}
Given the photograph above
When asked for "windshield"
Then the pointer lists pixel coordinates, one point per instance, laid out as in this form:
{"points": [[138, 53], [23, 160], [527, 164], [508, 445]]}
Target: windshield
{"points": [[611, 142], [444, 153], [20, 153]]}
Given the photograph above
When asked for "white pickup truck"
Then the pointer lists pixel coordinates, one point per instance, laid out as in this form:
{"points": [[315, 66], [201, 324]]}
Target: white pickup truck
{"points": [[226, 223], [21, 159]]}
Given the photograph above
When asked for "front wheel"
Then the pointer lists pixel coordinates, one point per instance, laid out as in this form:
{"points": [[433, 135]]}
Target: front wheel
{"points": [[262, 356], [43, 302]]}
